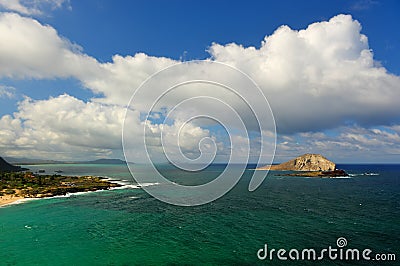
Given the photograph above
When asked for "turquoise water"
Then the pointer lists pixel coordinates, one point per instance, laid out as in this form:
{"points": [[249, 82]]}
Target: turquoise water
{"points": [[128, 227]]}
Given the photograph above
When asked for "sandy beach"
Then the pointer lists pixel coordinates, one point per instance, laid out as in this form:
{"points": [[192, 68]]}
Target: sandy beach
{"points": [[8, 199]]}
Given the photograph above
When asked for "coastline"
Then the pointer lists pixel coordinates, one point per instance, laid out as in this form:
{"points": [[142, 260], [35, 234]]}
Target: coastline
{"points": [[12, 199], [7, 200]]}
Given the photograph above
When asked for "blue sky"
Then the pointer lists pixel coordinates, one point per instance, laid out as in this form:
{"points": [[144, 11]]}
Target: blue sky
{"points": [[171, 28], [140, 26], [187, 30]]}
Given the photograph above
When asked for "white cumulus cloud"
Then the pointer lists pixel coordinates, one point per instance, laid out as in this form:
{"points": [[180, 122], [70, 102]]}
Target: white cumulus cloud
{"points": [[319, 77], [31, 50]]}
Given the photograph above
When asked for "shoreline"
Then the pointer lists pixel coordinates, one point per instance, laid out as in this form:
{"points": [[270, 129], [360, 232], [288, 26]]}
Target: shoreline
{"points": [[10, 200], [13, 199]]}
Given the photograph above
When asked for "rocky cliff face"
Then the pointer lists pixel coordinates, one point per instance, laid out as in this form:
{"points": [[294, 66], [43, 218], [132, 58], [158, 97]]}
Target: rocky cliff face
{"points": [[306, 162]]}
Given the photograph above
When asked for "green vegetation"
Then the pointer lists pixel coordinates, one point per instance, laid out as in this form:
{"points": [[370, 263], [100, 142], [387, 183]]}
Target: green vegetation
{"points": [[37, 186]]}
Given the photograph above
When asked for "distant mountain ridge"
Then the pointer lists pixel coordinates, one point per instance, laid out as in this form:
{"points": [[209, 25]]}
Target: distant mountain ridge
{"points": [[105, 161], [22, 161]]}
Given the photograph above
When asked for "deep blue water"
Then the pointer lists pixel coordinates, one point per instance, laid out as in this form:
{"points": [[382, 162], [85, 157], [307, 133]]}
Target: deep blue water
{"points": [[129, 227]]}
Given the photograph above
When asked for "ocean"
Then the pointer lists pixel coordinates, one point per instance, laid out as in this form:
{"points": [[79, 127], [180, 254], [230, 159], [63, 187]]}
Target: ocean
{"points": [[129, 227]]}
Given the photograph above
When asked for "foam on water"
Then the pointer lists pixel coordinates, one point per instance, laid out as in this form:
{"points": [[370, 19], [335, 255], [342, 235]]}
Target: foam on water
{"points": [[364, 174], [20, 201]]}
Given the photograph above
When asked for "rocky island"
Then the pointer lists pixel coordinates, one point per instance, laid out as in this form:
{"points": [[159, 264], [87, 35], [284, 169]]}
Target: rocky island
{"points": [[310, 165], [16, 185]]}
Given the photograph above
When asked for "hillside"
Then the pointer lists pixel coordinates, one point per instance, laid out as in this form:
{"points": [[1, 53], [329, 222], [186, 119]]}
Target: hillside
{"points": [[6, 167], [306, 162]]}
